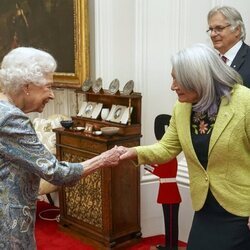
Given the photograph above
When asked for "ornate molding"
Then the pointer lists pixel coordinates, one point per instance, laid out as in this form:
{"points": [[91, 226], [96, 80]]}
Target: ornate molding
{"points": [[141, 53], [103, 39]]}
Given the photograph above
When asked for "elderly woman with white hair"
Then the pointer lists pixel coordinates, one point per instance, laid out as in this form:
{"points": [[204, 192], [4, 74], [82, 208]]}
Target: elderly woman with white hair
{"points": [[211, 125], [26, 78]]}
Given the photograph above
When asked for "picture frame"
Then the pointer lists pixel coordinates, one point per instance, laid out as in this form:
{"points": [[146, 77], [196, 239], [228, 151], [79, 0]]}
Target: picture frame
{"points": [[90, 107], [82, 109], [116, 113], [58, 27], [97, 110], [88, 128]]}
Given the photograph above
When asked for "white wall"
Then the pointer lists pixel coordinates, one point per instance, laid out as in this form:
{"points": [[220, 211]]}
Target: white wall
{"points": [[134, 39]]}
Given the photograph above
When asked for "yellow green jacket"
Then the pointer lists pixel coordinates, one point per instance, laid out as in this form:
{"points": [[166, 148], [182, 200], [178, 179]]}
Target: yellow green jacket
{"points": [[228, 169]]}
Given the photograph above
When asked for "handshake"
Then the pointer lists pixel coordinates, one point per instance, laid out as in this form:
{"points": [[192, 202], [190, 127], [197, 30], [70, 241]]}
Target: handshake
{"points": [[113, 156], [109, 158]]}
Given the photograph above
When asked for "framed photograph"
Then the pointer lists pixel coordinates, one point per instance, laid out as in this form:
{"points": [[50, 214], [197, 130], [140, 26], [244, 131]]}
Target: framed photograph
{"points": [[88, 128], [97, 110], [89, 109], [126, 115], [82, 109], [59, 27], [117, 114]]}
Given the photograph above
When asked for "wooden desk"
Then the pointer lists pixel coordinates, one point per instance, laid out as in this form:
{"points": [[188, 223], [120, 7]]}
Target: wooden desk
{"points": [[104, 206]]}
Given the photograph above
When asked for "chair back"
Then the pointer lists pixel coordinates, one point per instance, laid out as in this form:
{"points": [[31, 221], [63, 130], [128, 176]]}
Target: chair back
{"points": [[159, 126]]}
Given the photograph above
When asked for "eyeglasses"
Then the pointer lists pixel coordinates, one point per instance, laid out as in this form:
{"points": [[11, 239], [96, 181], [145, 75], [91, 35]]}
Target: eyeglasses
{"points": [[217, 29]]}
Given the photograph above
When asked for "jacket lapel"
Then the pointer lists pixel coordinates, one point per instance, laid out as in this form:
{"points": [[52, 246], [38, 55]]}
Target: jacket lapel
{"points": [[185, 119], [225, 114], [240, 57]]}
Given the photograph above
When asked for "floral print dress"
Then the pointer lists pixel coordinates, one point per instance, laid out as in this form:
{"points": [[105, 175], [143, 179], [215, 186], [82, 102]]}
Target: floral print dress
{"points": [[201, 130], [213, 220]]}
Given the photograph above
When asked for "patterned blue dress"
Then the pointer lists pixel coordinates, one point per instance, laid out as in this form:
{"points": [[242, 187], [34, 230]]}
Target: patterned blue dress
{"points": [[23, 161]]}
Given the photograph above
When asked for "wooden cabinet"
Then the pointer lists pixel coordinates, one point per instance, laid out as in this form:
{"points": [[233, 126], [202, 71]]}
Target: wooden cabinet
{"points": [[104, 206]]}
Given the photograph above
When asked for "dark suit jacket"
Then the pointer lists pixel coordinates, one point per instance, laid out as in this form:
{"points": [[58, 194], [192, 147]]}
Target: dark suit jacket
{"points": [[241, 63]]}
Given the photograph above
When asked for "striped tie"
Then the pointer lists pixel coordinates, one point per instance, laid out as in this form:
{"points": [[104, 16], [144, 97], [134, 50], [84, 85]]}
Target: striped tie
{"points": [[224, 59]]}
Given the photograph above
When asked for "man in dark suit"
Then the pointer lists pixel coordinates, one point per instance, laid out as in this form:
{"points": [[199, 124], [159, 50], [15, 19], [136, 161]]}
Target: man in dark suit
{"points": [[227, 32]]}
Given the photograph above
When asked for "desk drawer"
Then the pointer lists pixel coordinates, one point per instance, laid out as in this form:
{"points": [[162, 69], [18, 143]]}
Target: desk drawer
{"points": [[83, 143]]}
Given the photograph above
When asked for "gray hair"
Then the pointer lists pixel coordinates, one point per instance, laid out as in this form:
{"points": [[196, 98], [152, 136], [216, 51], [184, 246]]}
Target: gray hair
{"points": [[25, 65], [232, 16], [199, 68]]}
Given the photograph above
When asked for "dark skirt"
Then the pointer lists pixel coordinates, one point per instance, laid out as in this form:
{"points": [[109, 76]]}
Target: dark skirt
{"points": [[214, 228]]}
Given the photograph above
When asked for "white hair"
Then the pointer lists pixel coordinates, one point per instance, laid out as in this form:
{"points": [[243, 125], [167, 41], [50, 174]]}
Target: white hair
{"points": [[200, 68], [25, 65], [232, 16]]}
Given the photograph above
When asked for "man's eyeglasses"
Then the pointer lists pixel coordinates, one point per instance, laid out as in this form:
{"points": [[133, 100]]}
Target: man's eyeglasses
{"points": [[217, 29]]}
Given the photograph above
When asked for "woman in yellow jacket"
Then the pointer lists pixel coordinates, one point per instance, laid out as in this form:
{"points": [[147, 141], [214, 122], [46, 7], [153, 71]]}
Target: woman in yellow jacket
{"points": [[211, 125]]}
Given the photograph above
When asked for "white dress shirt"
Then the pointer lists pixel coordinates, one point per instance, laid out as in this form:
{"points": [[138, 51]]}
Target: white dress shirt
{"points": [[231, 53]]}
